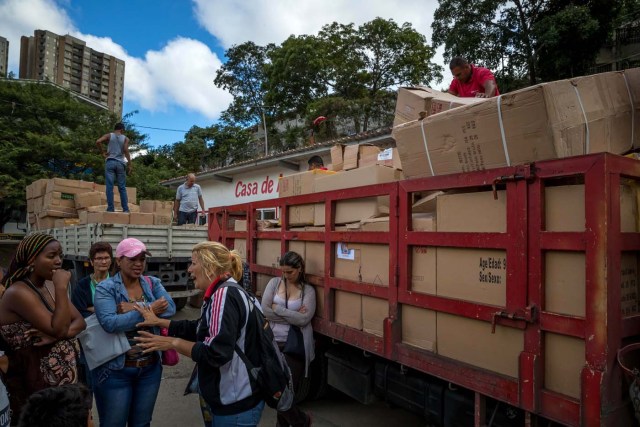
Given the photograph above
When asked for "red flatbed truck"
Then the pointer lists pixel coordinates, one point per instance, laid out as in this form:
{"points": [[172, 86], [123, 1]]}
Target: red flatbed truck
{"points": [[451, 392]]}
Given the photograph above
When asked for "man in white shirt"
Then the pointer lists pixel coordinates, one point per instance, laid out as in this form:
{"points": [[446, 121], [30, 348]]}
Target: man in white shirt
{"points": [[185, 207]]}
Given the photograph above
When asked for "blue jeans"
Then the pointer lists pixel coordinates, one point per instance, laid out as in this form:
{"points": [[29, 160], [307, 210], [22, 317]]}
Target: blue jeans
{"points": [[187, 217], [249, 418], [115, 171], [126, 397]]}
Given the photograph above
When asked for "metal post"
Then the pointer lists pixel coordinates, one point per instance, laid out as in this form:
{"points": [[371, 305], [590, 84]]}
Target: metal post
{"points": [[266, 141]]}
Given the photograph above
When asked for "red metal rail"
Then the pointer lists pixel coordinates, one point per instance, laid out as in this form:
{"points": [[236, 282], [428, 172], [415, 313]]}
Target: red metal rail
{"points": [[603, 328]]}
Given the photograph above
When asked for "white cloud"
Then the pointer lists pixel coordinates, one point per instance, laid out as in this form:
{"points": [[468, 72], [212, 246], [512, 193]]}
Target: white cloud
{"points": [[179, 75], [267, 21]]}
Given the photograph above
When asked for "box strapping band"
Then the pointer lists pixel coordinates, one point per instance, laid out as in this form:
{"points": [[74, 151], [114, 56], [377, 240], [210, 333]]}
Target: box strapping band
{"points": [[633, 110], [502, 134], [426, 147], [586, 123]]}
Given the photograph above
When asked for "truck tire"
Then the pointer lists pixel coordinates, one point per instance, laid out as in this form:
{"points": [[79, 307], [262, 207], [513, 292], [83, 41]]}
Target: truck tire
{"points": [[180, 303]]}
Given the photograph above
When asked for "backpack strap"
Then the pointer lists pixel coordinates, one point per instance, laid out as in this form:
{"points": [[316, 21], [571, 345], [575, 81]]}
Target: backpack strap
{"points": [[238, 350]]}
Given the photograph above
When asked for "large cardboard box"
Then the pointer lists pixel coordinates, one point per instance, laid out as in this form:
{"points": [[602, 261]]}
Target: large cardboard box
{"points": [[563, 362], [43, 223], [319, 301], [419, 327], [564, 282], [58, 200], [300, 183], [354, 210], [240, 245], [414, 101], [362, 262], [160, 219], [138, 218], [70, 186], [337, 157], [147, 206], [423, 258], [471, 341], [472, 212], [268, 253], [541, 122], [348, 309], [374, 311], [37, 188], [300, 215], [87, 217], [132, 192], [66, 222]]}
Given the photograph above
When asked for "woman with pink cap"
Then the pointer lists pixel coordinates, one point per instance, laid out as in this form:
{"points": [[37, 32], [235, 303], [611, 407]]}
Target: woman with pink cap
{"points": [[126, 387]]}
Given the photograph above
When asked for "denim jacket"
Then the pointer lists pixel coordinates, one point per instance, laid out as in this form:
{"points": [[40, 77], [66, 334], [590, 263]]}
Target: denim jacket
{"points": [[110, 293]]}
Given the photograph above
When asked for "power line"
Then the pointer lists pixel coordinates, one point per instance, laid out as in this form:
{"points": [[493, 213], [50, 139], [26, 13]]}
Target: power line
{"points": [[168, 130]]}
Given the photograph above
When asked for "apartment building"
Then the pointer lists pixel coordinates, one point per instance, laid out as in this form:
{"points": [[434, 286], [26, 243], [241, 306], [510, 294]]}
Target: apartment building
{"points": [[70, 63], [4, 56]]}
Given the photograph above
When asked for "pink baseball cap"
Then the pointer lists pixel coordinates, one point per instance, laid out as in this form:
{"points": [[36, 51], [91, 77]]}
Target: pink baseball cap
{"points": [[131, 248]]}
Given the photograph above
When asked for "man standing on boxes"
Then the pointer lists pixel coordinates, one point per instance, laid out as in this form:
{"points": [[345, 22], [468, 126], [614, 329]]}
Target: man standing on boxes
{"points": [[114, 170], [471, 81], [185, 208]]}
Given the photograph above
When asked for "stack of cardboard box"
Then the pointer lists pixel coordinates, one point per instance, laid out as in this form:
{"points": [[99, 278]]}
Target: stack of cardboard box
{"points": [[551, 120], [60, 202], [156, 212]]}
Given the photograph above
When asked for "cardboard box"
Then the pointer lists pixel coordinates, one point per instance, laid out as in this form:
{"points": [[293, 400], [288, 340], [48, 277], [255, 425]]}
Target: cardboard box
{"points": [[58, 213], [43, 223], [131, 192], [268, 253], [355, 210], [70, 186], [37, 188], [300, 183], [540, 122], [423, 258], [57, 199], [361, 155], [319, 301], [629, 293], [96, 198], [337, 157], [240, 245], [478, 275], [427, 204], [147, 206], [471, 341], [563, 362], [564, 282], [390, 158], [240, 225], [139, 218], [362, 262], [161, 219], [314, 258], [414, 102], [300, 215], [262, 280], [348, 309], [374, 311], [104, 217], [418, 327]]}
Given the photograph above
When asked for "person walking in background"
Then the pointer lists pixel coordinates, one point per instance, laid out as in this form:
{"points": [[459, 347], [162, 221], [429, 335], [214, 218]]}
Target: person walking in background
{"points": [[64, 406], [227, 398], [37, 321], [116, 152], [470, 81], [126, 387], [185, 207], [100, 257], [289, 302]]}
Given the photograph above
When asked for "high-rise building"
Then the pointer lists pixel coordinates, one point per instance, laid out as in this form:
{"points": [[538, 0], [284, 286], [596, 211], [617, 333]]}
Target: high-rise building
{"points": [[70, 63], [4, 56]]}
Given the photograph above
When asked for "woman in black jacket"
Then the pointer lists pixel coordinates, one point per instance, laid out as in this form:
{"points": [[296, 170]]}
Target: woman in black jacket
{"points": [[226, 321]]}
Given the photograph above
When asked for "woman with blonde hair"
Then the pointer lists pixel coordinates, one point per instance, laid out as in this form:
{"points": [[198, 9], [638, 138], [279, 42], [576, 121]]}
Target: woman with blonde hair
{"points": [[226, 322]]}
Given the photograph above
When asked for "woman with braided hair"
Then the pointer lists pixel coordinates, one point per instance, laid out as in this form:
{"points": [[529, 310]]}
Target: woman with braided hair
{"points": [[37, 320]]}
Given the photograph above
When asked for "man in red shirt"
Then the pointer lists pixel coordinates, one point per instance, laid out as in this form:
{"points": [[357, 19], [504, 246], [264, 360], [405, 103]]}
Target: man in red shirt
{"points": [[470, 81]]}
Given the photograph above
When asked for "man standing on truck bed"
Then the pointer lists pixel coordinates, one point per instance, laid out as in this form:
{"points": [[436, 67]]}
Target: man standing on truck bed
{"points": [[114, 170], [185, 207], [470, 81]]}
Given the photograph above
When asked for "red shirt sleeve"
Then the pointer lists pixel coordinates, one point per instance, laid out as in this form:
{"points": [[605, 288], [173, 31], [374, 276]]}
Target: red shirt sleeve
{"points": [[453, 87]]}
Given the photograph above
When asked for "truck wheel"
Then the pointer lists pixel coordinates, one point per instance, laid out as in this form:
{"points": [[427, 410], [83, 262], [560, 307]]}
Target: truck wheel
{"points": [[180, 303]]}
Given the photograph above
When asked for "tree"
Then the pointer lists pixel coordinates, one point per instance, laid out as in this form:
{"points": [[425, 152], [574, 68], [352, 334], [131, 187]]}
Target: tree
{"points": [[243, 75], [525, 39], [361, 66]]}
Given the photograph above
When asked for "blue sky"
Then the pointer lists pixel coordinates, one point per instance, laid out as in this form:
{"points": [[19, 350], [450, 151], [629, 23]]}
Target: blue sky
{"points": [[172, 48]]}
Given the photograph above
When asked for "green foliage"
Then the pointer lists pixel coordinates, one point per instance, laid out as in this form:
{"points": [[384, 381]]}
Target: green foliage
{"points": [[45, 133], [526, 40]]}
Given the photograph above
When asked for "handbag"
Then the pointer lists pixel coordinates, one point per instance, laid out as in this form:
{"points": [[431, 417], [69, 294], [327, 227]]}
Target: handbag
{"points": [[169, 357], [100, 346], [294, 346]]}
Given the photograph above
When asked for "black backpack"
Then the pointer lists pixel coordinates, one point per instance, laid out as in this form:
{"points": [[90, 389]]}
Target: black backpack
{"points": [[272, 375]]}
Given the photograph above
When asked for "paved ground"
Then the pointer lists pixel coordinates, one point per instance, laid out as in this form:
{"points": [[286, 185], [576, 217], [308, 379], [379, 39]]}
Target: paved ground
{"points": [[335, 410]]}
